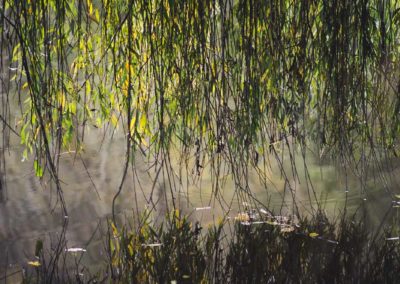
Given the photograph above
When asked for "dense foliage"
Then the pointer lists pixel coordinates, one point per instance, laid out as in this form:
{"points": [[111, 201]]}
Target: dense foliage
{"points": [[221, 82], [226, 86]]}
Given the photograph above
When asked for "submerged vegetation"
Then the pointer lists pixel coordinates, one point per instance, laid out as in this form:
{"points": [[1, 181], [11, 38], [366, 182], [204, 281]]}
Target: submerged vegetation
{"points": [[317, 250], [228, 87]]}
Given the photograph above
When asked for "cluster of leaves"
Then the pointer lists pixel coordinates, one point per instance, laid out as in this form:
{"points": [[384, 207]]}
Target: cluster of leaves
{"points": [[222, 81]]}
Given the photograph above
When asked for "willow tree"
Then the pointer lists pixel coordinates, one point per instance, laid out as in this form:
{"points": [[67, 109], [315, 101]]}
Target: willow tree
{"points": [[227, 83]]}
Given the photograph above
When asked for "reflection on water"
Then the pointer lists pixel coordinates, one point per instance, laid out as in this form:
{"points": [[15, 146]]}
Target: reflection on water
{"points": [[91, 179]]}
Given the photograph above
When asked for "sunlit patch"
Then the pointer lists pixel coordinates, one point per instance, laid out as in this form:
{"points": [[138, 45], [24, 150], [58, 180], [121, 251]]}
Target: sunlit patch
{"points": [[152, 245], [287, 229], [393, 239], [262, 216], [242, 217], [202, 208], [34, 263], [75, 250]]}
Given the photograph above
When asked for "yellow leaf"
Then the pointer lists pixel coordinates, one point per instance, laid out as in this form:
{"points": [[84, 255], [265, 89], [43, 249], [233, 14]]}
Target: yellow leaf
{"points": [[130, 249], [72, 107], [88, 87], [94, 17], [90, 6], [114, 120], [97, 16], [313, 235], [34, 263], [142, 123], [144, 56], [61, 99], [114, 229], [133, 124]]}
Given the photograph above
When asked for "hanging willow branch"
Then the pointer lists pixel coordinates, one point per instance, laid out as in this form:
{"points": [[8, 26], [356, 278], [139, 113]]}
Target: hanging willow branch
{"points": [[227, 82]]}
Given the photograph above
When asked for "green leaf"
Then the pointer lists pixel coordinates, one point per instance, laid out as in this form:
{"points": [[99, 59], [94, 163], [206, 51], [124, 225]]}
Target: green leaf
{"points": [[24, 134], [38, 169]]}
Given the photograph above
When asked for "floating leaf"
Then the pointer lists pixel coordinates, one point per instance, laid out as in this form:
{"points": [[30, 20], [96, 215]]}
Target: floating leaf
{"points": [[287, 229], [34, 263], [313, 235], [75, 250], [202, 208], [242, 217], [393, 239], [152, 245]]}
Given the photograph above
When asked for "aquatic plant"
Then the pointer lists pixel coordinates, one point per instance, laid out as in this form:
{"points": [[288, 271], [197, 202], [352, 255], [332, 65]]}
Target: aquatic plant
{"points": [[317, 250]]}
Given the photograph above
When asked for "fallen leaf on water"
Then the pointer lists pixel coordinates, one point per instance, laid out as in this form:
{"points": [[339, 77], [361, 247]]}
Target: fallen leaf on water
{"points": [[34, 263], [152, 245], [202, 208], [393, 239], [287, 229], [242, 217], [313, 235], [75, 250]]}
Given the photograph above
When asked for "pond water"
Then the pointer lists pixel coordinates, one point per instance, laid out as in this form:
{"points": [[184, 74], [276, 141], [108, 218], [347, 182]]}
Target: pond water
{"points": [[30, 211]]}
